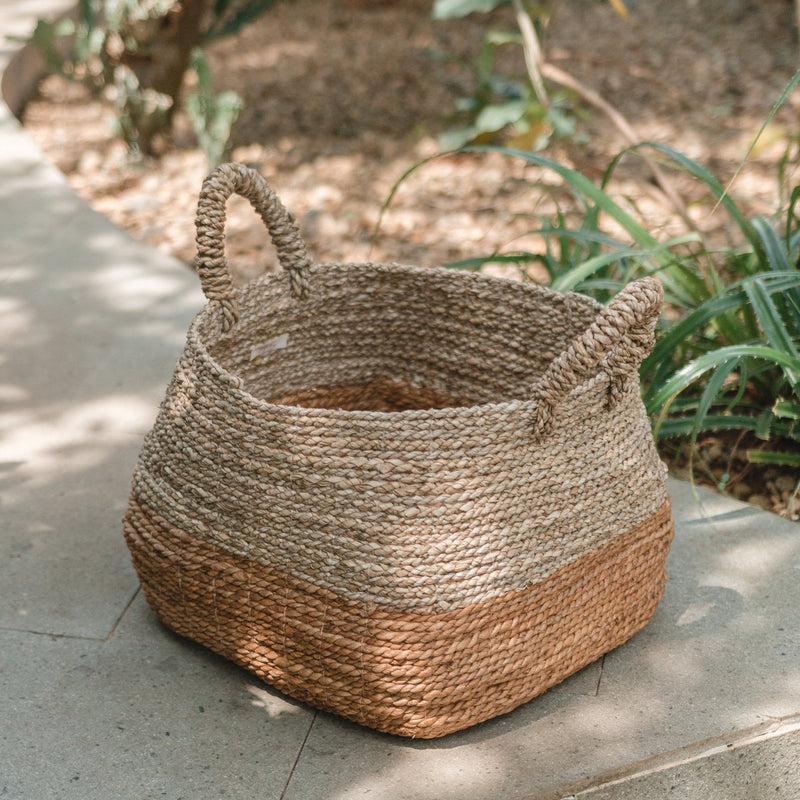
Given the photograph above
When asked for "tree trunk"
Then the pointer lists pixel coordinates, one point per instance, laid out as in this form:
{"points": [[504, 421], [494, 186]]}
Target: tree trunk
{"points": [[161, 55]]}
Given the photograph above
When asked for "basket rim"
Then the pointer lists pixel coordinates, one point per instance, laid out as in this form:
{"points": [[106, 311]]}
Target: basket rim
{"points": [[235, 383]]}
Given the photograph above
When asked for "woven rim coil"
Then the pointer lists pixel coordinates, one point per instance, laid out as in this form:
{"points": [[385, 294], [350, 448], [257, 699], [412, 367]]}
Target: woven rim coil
{"points": [[413, 497]]}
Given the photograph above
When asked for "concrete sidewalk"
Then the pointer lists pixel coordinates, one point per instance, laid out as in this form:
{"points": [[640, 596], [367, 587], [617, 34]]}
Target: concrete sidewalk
{"points": [[98, 700]]}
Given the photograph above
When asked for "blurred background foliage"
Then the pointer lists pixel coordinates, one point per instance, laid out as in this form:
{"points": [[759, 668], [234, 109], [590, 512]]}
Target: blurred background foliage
{"points": [[727, 358], [138, 53]]}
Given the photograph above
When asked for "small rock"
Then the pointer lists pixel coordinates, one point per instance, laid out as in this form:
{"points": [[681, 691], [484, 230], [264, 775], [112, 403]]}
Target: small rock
{"points": [[760, 500], [785, 483], [90, 161], [741, 490]]}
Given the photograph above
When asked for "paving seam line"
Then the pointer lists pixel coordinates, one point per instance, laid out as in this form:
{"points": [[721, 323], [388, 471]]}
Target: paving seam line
{"points": [[297, 758], [697, 752]]}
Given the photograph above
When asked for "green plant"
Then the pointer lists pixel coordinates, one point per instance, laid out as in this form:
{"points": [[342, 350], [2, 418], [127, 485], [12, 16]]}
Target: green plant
{"points": [[495, 103], [520, 110], [581, 256], [74, 48], [732, 360], [228, 17], [138, 51], [212, 116], [727, 357]]}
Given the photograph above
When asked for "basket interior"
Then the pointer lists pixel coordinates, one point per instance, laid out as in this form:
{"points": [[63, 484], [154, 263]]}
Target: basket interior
{"points": [[380, 338], [381, 393]]}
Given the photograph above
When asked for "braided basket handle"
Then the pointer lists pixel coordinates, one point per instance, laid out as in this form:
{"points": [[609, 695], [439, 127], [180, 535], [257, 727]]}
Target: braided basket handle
{"points": [[211, 265], [621, 334]]}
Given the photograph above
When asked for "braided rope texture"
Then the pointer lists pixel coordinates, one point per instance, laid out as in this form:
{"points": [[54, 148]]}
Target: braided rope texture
{"points": [[210, 224], [409, 673], [413, 497]]}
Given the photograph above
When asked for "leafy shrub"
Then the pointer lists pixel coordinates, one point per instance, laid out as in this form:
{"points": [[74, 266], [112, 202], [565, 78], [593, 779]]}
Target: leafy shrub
{"points": [[138, 51], [521, 110], [731, 362], [212, 116]]}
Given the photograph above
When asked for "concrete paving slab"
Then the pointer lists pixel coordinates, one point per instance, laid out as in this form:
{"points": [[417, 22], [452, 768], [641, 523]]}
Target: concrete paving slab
{"points": [[146, 715], [721, 656], [726, 644], [91, 324], [765, 767]]}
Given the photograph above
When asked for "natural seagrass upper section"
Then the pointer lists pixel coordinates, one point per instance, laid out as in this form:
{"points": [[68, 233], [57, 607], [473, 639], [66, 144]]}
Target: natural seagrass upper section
{"points": [[377, 437], [461, 335]]}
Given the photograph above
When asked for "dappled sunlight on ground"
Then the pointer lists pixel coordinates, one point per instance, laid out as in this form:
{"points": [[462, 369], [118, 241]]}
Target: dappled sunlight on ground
{"points": [[340, 99], [266, 699], [91, 325], [75, 439]]}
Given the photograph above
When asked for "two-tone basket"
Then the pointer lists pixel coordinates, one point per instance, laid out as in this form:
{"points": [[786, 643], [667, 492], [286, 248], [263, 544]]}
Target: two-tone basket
{"points": [[414, 497]]}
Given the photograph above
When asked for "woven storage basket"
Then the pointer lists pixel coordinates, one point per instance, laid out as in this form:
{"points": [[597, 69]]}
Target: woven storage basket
{"points": [[413, 497]]}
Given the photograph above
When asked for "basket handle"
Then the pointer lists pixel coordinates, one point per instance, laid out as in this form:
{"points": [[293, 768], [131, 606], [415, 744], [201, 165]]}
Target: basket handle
{"points": [[621, 334], [211, 265]]}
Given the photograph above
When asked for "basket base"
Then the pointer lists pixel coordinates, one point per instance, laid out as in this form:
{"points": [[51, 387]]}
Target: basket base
{"points": [[413, 674]]}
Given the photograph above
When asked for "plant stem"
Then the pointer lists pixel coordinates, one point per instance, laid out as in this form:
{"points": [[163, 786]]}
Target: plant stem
{"points": [[558, 75], [538, 69], [797, 14], [533, 52]]}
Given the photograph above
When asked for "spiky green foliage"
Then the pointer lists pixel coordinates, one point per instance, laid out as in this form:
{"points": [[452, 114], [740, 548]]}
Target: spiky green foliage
{"points": [[727, 357]]}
